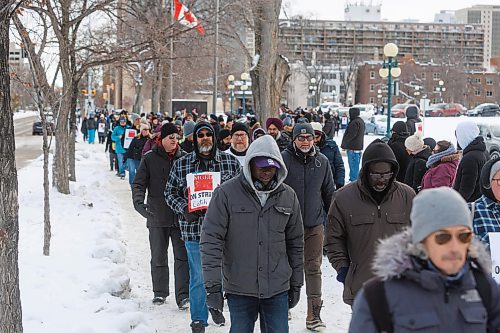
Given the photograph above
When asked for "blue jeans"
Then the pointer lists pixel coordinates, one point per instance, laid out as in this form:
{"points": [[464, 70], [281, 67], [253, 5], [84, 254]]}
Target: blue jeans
{"points": [[197, 294], [353, 159], [121, 165], [91, 134], [132, 165], [244, 310]]}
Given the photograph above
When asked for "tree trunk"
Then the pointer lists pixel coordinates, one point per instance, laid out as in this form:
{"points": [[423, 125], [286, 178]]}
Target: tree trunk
{"points": [[72, 134], [46, 191], [10, 300], [272, 71], [156, 90], [60, 174]]}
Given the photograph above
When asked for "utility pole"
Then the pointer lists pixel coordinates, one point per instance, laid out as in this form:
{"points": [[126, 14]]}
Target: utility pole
{"points": [[216, 58]]}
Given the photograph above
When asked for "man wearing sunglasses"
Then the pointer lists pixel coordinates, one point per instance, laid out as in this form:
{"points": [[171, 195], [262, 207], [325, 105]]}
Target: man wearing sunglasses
{"points": [[310, 175], [162, 223], [434, 277], [205, 158], [373, 207]]}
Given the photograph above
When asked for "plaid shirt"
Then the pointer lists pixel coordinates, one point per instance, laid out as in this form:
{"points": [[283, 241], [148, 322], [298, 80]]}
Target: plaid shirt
{"points": [[176, 188], [486, 218]]}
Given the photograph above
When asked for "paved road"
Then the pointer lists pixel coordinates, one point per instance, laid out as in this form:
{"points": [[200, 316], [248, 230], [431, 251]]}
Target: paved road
{"points": [[28, 146]]}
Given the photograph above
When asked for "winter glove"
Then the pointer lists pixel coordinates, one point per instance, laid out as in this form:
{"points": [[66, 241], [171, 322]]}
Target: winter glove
{"points": [[341, 274], [191, 217], [144, 210], [293, 296], [215, 300]]}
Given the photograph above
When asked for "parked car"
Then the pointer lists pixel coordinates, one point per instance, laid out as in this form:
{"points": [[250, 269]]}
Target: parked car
{"points": [[324, 107], [491, 135], [485, 110], [37, 125], [445, 110], [366, 110], [377, 124], [399, 110]]}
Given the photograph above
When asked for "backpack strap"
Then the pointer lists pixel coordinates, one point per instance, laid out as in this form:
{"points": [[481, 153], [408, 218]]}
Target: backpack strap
{"points": [[484, 289], [377, 302]]}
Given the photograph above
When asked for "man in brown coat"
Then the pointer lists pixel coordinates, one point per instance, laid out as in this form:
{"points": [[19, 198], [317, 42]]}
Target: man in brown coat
{"points": [[375, 206]]}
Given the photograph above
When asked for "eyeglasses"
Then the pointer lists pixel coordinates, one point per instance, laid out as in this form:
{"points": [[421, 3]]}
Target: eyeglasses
{"points": [[304, 138], [239, 136], [496, 180], [174, 137], [384, 176], [442, 237], [202, 135]]}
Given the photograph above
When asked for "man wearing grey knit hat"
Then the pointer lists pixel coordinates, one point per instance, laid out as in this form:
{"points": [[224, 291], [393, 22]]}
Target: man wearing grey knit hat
{"points": [[439, 266]]}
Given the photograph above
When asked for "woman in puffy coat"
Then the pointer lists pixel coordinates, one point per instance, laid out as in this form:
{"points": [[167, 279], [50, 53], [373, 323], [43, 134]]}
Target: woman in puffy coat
{"points": [[442, 166]]}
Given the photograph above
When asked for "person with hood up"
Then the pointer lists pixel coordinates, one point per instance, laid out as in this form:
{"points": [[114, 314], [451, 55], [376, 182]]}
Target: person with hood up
{"points": [[161, 221], [310, 175], [224, 139], [486, 209], [412, 118], [435, 276], [362, 212], [329, 127], [102, 129], [417, 166], [399, 133], [474, 156], [253, 232], [205, 158], [328, 147], [353, 142], [441, 166], [83, 129], [188, 128], [239, 142], [118, 137], [257, 133], [274, 127]]}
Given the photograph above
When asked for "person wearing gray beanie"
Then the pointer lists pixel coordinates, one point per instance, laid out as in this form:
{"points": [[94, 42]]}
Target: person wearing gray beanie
{"points": [[437, 265], [188, 129], [303, 128]]}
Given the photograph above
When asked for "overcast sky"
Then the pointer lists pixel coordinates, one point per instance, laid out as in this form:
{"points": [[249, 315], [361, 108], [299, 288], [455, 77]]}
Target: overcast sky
{"points": [[392, 10]]}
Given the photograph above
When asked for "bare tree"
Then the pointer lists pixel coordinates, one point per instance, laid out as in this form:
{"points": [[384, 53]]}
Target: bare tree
{"points": [[10, 300]]}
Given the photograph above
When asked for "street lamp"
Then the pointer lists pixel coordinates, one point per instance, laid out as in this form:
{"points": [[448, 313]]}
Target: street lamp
{"points": [[441, 88], [379, 97], [230, 86], [312, 90], [389, 70], [244, 77]]}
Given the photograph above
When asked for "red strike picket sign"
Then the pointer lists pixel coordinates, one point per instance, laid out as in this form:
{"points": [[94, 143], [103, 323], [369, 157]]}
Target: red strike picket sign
{"points": [[495, 254], [130, 134], [419, 127], [200, 188]]}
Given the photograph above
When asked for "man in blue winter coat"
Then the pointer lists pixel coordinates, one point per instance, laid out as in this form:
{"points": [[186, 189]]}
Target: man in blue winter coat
{"points": [[118, 137], [328, 147]]}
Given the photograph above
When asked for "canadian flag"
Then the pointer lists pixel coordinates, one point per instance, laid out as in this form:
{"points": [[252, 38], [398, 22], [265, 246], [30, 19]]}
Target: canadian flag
{"points": [[186, 18]]}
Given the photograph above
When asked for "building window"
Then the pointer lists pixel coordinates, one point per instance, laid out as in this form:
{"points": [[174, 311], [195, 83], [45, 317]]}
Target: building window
{"points": [[435, 100], [489, 81], [372, 87], [372, 100], [489, 93], [436, 76], [384, 100], [477, 93], [372, 75], [477, 80], [422, 76]]}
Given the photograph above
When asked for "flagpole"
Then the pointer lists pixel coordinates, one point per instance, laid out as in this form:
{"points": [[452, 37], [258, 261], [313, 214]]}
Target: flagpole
{"points": [[170, 111], [216, 58]]}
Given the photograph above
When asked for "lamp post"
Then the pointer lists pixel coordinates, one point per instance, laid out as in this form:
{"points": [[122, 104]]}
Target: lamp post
{"points": [[441, 88], [312, 90], [244, 77], [390, 70], [230, 86]]}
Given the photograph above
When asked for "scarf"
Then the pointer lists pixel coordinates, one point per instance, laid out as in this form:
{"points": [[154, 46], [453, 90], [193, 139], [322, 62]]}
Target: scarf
{"points": [[434, 158]]}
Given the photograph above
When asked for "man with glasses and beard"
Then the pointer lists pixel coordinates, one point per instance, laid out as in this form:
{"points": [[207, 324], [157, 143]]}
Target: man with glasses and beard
{"points": [[204, 158], [362, 212], [310, 175], [239, 142], [434, 277]]}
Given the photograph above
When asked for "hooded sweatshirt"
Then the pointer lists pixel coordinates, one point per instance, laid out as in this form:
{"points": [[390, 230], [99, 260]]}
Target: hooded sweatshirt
{"points": [[355, 132], [466, 132]]}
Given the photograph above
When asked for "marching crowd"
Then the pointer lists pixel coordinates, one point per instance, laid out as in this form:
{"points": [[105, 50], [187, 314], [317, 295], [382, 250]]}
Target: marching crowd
{"points": [[407, 235]]}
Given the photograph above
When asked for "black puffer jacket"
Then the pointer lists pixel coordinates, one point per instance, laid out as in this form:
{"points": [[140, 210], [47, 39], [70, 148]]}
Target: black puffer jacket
{"points": [[134, 151], [329, 128], [412, 118], [469, 170], [310, 176], [355, 132], [397, 144], [152, 175], [416, 169]]}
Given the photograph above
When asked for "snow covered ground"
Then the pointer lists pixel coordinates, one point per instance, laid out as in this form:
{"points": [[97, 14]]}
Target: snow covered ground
{"points": [[24, 114], [97, 278]]}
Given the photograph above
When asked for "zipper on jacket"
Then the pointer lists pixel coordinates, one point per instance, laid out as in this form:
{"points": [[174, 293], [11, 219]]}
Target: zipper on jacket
{"points": [[446, 294], [379, 212]]}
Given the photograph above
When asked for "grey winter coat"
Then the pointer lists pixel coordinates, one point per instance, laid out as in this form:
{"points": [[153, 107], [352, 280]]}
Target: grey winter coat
{"points": [[417, 297], [256, 236], [310, 175]]}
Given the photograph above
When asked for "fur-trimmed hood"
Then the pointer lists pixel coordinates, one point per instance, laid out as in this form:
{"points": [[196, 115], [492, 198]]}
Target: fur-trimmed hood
{"points": [[393, 256], [452, 157]]}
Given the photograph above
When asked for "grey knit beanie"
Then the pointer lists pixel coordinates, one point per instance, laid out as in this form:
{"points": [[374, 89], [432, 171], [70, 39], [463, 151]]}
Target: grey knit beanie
{"points": [[435, 209], [299, 129], [188, 128], [494, 169]]}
